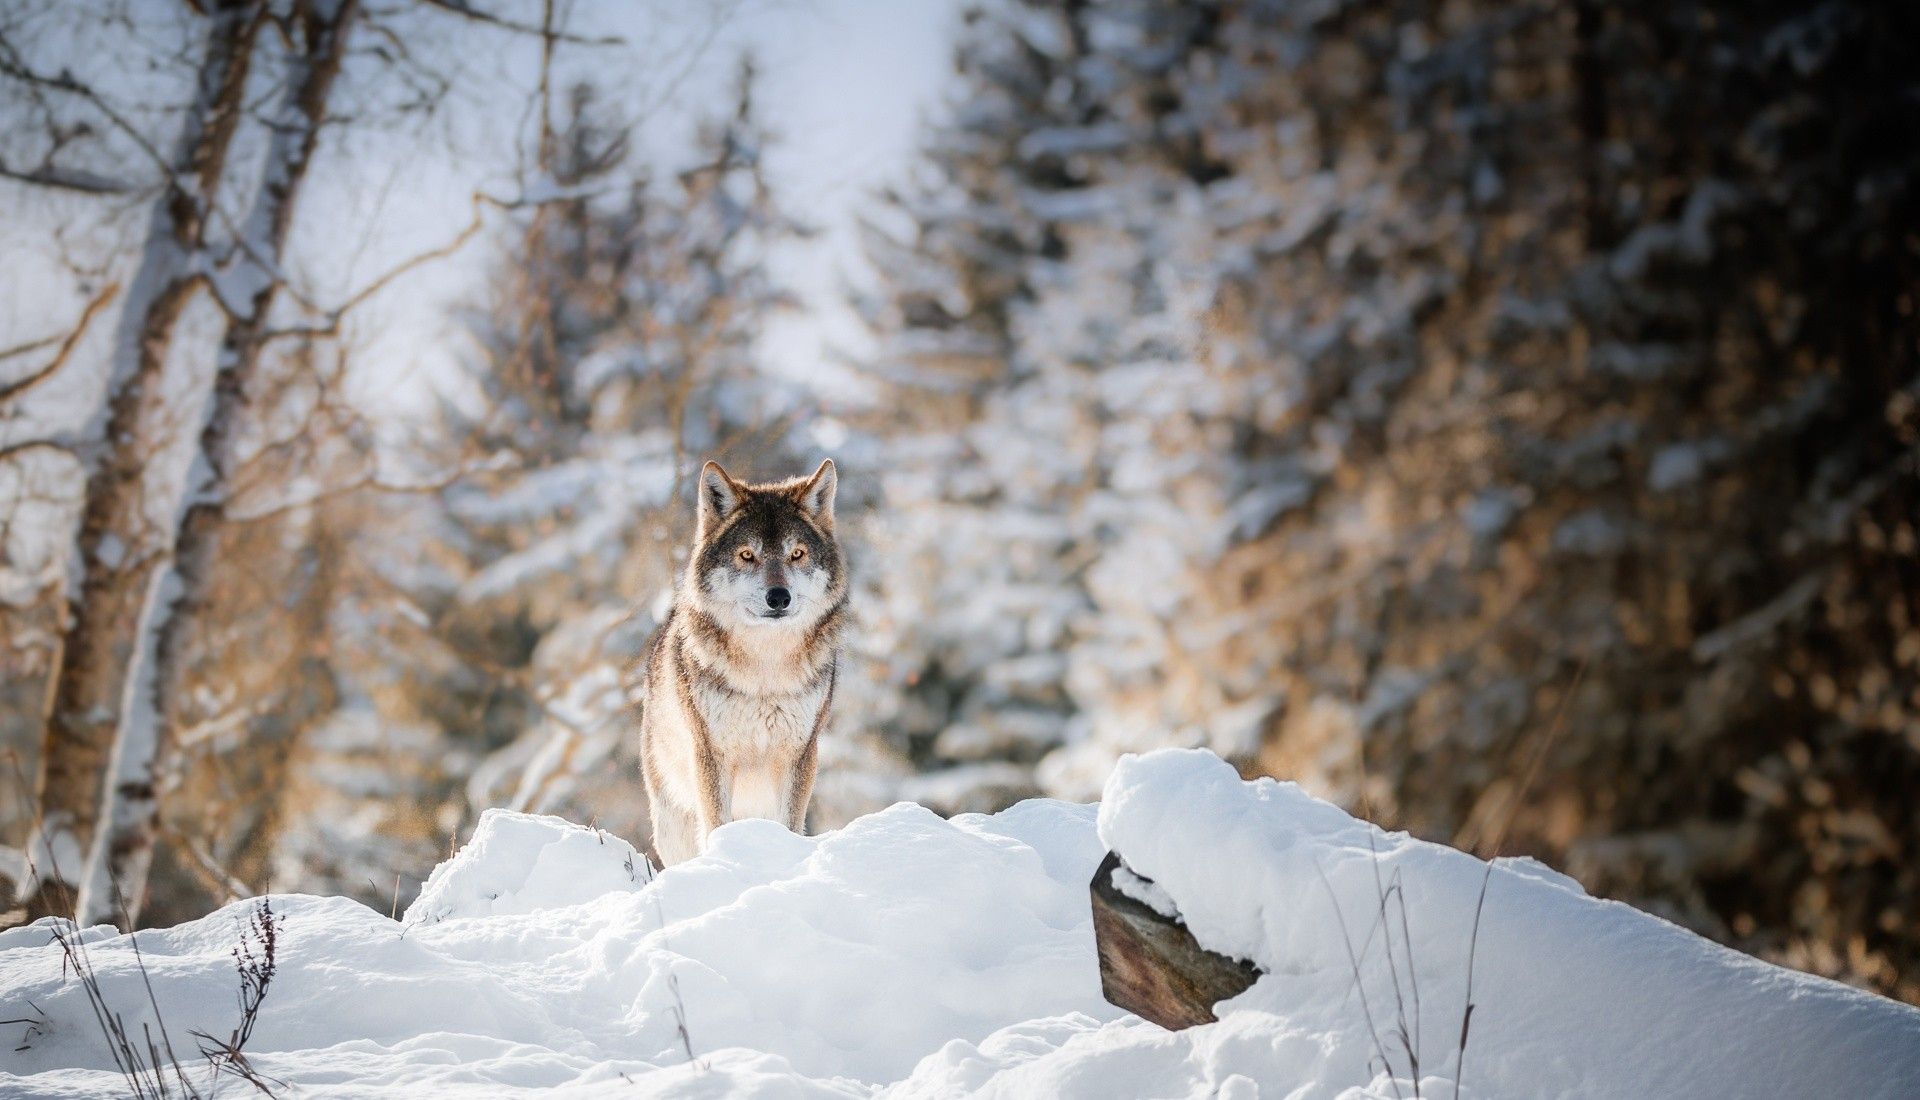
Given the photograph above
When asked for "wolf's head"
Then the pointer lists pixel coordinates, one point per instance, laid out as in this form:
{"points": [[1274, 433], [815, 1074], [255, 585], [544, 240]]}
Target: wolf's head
{"points": [[765, 555]]}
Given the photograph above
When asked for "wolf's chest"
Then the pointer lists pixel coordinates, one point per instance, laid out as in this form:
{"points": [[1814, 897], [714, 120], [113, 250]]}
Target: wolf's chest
{"points": [[744, 723]]}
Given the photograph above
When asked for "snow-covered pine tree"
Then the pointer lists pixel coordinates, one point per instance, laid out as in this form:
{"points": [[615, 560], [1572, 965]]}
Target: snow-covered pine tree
{"points": [[1067, 474], [1550, 343], [614, 353], [1585, 405], [971, 587]]}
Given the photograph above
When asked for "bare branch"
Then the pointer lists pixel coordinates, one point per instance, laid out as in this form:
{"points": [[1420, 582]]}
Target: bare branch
{"points": [[13, 65], [467, 10], [217, 879], [368, 483], [11, 390], [69, 179], [331, 318], [458, 241], [11, 450], [198, 197], [30, 346]]}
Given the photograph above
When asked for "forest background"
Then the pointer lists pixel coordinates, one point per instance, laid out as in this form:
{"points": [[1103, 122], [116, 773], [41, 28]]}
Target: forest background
{"points": [[1499, 417]]}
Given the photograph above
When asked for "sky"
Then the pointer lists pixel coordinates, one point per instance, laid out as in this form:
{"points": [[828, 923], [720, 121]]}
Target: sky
{"points": [[852, 82], [846, 87]]}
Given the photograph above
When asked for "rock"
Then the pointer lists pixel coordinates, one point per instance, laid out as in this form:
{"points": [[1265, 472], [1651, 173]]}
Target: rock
{"points": [[1151, 965]]}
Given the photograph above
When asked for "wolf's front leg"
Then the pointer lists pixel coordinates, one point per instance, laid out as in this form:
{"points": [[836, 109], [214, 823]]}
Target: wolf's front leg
{"points": [[710, 800], [713, 801], [800, 786], [676, 835]]}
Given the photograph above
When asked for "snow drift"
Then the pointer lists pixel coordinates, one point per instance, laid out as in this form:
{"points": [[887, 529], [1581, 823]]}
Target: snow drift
{"points": [[911, 956]]}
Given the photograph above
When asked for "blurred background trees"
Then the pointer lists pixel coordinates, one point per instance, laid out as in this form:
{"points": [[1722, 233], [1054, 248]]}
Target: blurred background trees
{"points": [[1501, 418], [1370, 382]]}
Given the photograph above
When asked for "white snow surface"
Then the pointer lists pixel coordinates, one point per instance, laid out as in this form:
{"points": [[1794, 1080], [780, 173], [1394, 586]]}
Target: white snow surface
{"points": [[907, 955]]}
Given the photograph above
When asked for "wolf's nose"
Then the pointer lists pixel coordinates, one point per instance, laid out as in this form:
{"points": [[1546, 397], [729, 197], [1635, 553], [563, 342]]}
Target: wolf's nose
{"points": [[779, 598]]}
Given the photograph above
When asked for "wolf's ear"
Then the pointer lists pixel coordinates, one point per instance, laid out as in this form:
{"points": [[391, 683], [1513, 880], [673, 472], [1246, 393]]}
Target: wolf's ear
{"points": [[816, 496], [719, 496]]}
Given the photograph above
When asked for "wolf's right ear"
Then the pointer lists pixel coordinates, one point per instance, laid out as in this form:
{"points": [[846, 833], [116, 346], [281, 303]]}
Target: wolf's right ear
{"points": [[719, 496]]}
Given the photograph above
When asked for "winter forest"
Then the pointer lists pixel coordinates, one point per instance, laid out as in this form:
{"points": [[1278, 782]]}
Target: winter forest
{"points": [[1500, 418]]}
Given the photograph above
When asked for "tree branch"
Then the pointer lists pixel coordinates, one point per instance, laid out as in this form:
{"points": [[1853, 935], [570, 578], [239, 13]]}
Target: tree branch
{"points": [[217, 879], [11, 450], [466, 10], [11, 390], [68, 179], [13, 65], [330, 324]]}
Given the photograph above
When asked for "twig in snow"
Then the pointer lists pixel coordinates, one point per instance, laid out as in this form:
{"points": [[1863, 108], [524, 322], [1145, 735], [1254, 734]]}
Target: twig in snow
{"points": [[257, 959], [673, 982], [1353, 961], [140, 1069], [680, 1019], [1393, 888], [1499, 837], [36, 1026]]}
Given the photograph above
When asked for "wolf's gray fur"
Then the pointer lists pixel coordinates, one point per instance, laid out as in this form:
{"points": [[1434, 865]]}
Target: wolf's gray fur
{"points": [[740, 677]]}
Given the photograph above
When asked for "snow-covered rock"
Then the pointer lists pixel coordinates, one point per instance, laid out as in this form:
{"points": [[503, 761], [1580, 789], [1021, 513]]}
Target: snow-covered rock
{"points": [[911, 956], [1572, 995]]}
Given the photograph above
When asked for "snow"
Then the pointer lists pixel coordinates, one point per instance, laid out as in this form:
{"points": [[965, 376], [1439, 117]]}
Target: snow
{"points": [[523, 863], [1574, 996], [907, 955]]}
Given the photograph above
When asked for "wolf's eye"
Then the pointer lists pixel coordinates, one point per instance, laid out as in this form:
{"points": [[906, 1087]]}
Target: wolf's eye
{"points": [[746, 556], [799, 554]]}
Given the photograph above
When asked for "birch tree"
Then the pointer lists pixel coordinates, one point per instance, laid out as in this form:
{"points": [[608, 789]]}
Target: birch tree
{"points": [[215, 249], [122, 852], [124, 539], [203, 311]]}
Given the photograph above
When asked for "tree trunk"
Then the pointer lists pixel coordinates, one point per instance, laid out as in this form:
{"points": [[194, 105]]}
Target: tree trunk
{"points": [[1151, 965], [125, 847], [122, 553]]}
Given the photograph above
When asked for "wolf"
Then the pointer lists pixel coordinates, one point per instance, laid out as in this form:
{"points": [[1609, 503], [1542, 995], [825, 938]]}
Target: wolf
{"points": [[740, 675]]}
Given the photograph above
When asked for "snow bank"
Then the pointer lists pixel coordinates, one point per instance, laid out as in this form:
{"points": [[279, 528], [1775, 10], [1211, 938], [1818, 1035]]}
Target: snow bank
{"points": [[911, 956], [522, 863], [803, 966], [1573, 996]]}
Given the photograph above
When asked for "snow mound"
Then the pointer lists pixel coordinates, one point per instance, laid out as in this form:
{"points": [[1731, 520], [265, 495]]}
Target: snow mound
{"points": [[906, 955], [533, 959], [1573, 996], [520, 863]]}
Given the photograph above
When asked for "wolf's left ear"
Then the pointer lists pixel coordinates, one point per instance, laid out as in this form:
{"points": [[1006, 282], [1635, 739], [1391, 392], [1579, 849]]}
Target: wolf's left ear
{"points": [[816, 496]]}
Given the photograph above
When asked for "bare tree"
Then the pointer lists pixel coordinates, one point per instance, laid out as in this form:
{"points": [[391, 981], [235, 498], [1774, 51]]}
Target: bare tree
{"points": [[123, 851], [201, 308], [122, 550]]}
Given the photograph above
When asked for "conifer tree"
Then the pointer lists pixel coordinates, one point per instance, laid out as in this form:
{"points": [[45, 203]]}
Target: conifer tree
{"points": [[1355, 388]]}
